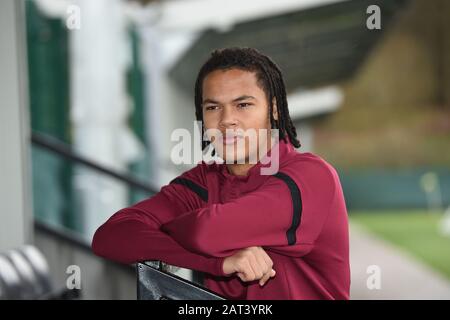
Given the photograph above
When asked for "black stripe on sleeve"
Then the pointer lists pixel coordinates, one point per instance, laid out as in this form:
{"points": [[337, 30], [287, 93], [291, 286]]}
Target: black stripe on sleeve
{"points": [[200, 191], [296, 204]]}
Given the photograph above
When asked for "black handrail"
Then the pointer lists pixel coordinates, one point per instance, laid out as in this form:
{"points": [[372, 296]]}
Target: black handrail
{"points": [[55, 146], [60, 148]]}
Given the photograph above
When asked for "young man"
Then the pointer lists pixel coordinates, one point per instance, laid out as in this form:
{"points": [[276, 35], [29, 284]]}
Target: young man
{"points": [[256, 236]]}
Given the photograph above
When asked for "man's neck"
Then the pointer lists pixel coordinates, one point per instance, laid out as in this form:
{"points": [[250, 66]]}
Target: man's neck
{"points": [[239, 169]]}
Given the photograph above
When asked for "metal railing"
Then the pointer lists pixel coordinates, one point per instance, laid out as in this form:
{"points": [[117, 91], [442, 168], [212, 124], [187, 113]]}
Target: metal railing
{"points": [[156, 284], [61, 149], [153, 282]]}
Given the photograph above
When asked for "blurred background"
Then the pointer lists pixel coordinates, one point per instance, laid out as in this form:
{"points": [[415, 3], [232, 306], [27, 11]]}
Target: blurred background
{"points": [[90, 92]]}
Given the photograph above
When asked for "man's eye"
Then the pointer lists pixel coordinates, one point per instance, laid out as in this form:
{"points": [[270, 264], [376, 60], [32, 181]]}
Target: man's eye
{"points": [[243, 105], [211, 107]]}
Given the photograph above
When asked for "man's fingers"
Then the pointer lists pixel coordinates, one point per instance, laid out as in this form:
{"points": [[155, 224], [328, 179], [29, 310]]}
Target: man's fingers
{"points": [[266, 277], [267, 264], [256, 267], [248, 273], [264, 263], [254, 264], [267, 259]]}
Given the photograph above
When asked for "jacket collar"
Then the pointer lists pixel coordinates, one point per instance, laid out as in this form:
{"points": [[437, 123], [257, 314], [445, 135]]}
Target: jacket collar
{"points": [[255, 176]]}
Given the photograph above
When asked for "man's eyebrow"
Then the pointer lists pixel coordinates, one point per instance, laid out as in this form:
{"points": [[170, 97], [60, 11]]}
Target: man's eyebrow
{"points": [[209, 101], [244, 97]]}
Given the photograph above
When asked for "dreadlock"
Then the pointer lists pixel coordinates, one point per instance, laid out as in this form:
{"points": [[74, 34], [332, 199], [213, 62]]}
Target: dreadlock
{"points": [[268, 76]]}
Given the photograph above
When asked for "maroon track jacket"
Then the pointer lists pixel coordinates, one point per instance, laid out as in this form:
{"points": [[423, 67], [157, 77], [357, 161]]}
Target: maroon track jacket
{"points": [[297, 215]]}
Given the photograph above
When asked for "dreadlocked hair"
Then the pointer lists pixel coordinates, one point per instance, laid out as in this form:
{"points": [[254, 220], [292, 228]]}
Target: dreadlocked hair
{"points": [[268, 76]]}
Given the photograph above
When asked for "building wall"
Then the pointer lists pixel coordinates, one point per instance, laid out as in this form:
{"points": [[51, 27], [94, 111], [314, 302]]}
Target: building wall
{"points": [[15, 199]]}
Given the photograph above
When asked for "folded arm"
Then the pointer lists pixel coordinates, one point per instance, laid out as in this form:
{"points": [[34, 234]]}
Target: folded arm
{"points": [[284, 216], [133, 234]]}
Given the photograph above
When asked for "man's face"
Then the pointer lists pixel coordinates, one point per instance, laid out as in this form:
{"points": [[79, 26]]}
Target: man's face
{"points": [[235, 105]]}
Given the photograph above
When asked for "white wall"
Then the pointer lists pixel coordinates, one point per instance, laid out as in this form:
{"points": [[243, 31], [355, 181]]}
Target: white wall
{"points": [[15, 201]]}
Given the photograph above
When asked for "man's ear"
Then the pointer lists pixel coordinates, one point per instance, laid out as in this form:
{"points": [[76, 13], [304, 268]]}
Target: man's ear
{"points": [[274, 108]]}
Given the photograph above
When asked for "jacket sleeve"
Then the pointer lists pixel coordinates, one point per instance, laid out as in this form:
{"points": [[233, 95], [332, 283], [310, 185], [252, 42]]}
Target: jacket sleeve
{"points": [[133, 234], [285, 215]]}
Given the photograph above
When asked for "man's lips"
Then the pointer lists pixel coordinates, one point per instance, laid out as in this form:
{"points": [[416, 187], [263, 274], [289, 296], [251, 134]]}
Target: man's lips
{"points": [[230, 139]]}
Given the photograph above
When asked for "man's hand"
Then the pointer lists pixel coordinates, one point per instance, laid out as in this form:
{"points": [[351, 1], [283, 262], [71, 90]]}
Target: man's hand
{"points": [[250, 264]]}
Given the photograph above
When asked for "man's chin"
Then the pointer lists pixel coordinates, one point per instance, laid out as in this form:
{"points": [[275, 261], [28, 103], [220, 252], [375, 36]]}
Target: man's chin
{"points": [[237, 157], [235, 160]]}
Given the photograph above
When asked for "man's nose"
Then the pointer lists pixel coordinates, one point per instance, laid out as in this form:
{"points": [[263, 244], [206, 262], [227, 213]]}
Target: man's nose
{"points": [[228, 117]]}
